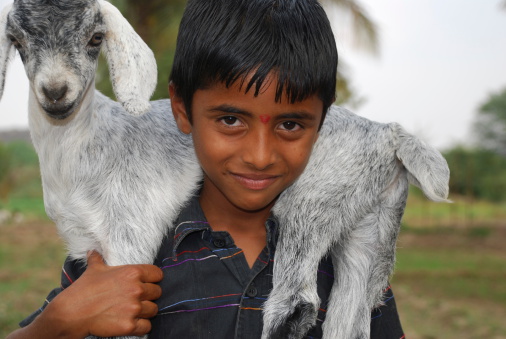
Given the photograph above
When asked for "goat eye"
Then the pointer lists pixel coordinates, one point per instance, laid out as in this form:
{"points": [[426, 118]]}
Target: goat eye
{"points": [[96, 40]]}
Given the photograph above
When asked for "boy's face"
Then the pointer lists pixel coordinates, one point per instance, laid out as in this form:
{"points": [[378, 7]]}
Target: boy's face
{"points": [[250, 148]]}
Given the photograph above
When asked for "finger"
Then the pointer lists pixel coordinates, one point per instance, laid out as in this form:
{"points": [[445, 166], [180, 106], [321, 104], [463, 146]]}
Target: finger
{"points": [[148, 309], [151, 292], [150, 273], [143, 326]]}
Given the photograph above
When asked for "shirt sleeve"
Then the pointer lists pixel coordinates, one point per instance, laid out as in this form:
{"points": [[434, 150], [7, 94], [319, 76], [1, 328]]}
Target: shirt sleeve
{"points": [[385, 323], [71, 270]]}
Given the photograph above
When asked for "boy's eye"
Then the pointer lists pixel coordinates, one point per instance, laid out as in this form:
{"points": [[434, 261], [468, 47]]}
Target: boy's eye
{"points": [[290, 126], [230, 121]]}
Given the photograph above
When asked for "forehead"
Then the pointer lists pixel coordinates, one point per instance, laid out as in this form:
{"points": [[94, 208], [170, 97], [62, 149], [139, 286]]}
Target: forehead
{"points": [[40, 18], [265, 102], [266, 87]]}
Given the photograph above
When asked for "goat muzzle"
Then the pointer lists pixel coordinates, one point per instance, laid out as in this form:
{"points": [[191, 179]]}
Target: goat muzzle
{"points": [[55, 94]]}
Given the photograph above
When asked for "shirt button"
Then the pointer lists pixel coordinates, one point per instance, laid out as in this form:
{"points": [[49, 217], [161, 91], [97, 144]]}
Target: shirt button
{"points": [[252, 291], [219, 243]]}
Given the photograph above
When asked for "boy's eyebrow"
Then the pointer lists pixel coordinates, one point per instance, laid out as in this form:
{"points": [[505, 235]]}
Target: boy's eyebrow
{"points": [[299, 115], [230, 109]]}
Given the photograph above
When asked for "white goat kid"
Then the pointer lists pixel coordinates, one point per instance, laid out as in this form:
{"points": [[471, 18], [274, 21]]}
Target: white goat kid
{"points": [[114, 183]]}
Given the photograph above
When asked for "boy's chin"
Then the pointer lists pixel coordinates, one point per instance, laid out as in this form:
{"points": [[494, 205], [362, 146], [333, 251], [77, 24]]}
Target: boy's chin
{"points": [[255, 206]]}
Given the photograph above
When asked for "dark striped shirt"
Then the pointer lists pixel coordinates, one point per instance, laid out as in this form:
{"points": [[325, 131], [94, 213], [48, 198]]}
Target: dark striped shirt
{"points": [[209, 290]]}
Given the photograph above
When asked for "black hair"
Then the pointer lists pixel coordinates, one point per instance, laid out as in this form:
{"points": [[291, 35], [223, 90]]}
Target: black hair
{"points": [[226, 40]]}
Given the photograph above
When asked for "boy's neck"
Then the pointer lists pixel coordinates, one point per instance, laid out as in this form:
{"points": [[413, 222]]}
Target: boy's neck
{"points": [[247, 228]]}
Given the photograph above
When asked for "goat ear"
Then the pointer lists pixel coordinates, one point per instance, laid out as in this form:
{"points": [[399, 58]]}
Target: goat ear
{"points": [[7, 51], [427, 169], [132, 65]]}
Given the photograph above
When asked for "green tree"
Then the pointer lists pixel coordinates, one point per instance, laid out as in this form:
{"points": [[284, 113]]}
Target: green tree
{"points": [[490, 123], [477, 173], [157, 22]]}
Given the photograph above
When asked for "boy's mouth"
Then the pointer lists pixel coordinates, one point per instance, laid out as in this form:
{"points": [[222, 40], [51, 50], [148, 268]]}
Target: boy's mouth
{"points": [[255, 181]]}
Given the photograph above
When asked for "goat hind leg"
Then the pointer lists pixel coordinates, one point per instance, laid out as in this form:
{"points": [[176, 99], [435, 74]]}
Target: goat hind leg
{"points": [[348, 313], [292, 306]]}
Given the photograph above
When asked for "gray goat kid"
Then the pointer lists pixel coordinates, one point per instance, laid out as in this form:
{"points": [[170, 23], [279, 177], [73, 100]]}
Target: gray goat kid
{"points": [[348, 203], [114, 182]]}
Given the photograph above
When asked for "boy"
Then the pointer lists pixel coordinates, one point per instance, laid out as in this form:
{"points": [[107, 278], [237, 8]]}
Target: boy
{"points": [[251, 81]]}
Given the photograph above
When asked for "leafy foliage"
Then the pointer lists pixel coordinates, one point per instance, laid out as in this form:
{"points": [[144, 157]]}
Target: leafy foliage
{"points": [[477, 173], [490, 125]]}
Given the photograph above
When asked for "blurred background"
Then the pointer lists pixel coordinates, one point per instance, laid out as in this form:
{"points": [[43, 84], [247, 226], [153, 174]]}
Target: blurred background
{"points": [[436, 67]]}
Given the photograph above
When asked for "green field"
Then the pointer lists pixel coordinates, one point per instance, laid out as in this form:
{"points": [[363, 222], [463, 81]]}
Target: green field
{"points": [[449, 280]]}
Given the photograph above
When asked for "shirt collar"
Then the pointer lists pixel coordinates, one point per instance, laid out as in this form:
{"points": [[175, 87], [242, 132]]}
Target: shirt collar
{"points": [[192, 219]]}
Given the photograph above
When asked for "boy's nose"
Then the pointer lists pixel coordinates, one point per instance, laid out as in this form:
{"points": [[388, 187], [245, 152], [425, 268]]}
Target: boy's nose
{"points": [[259, 150]]}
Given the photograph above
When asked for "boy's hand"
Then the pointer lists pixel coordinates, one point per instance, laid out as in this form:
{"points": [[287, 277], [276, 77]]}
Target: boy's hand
{"points": [[108, 301]]}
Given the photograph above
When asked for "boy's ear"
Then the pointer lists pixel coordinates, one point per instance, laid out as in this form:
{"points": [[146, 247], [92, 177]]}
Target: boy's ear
{"points": [[179, 110]]}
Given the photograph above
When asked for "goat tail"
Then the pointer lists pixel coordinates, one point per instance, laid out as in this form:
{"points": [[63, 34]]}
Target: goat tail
{"points": [[426, 167], [7, 51]]}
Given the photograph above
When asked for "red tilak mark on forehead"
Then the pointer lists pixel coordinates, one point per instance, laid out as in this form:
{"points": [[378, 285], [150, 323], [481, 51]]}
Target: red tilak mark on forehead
{"points": [[265, 118]]}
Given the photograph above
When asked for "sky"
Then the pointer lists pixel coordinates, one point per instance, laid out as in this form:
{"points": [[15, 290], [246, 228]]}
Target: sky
{"points": [[438, 62]]}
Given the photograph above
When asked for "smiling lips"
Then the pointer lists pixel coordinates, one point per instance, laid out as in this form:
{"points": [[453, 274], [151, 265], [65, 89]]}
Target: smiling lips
{"points": [[254, 181]]}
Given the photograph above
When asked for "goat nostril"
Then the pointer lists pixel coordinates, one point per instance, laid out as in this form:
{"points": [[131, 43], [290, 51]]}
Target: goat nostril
{"points": [[55, 94]]}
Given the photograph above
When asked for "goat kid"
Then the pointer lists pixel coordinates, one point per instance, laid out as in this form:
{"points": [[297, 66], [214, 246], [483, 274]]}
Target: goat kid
{"points": [[348, 203], [114, 183]]}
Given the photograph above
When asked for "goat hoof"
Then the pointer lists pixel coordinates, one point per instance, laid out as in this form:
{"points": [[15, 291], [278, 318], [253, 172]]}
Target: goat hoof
{"points": [[298, 323], [293, 322]]}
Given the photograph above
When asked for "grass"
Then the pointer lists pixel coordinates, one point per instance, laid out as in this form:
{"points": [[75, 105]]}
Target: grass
{"points": [[463, 212], [30, 208], [455, 273], [21, 189], [449, 282], [31, 255]]}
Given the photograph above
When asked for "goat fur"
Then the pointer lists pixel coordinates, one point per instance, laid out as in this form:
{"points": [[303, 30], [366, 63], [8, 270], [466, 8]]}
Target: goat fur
{"points": [[112, 182], [115, 182], [348, 202]]}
